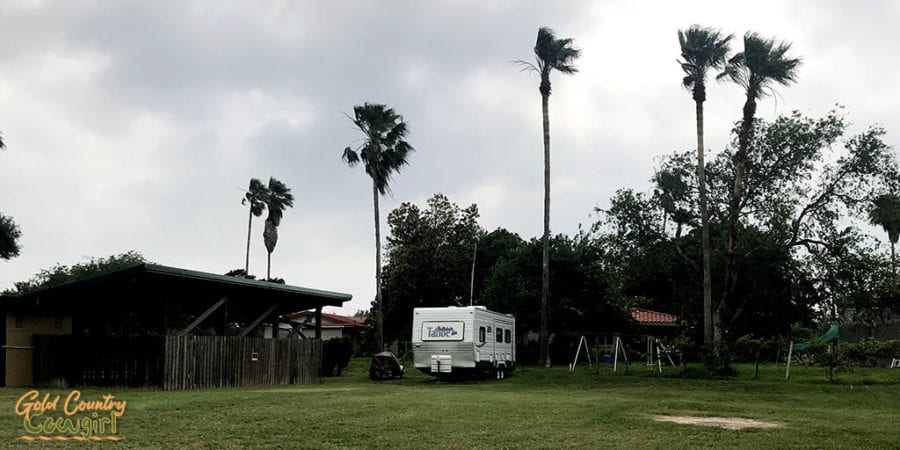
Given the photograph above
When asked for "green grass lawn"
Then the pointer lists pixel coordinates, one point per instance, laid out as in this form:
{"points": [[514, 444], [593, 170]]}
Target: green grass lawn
{"points": [[535, 408]]}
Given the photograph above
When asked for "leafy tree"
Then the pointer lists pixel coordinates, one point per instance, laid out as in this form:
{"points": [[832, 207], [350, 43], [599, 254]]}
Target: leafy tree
{"points": [[60, 274], [255, 197], [239, 273], [585, 299], [277, 198], [560, 55], [885, 213], [493, 247], [383, 152], [9, 238], [762, 64], [430, 255], [702, 49], [805, 181]]}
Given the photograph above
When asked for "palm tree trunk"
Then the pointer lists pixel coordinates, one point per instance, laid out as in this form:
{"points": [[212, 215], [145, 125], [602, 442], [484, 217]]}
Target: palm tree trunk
{"points": [[249, 226], [379, 331], [704, 223], [544, 357], [739, 159], [893, 260], [269, 267]]}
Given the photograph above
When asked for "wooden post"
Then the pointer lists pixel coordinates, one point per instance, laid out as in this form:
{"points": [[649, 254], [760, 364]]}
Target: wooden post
{"points": [[787, 372], [203, 316], [318, 322], [259, 320]]}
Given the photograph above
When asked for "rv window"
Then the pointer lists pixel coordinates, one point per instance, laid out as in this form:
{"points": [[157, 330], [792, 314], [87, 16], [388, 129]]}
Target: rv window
{"points": [[507, 334], [481, 335], [499, 335]]}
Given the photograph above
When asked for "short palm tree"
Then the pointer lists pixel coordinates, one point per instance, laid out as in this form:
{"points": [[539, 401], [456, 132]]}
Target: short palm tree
{"points": [[702, 49], [278, 197], [383, 152], [256, 198], [550, 54], [885, 213], [763, 64]]}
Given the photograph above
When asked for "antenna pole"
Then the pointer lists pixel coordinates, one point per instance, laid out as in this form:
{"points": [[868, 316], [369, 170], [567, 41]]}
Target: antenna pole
{"points": [[472, 280]]}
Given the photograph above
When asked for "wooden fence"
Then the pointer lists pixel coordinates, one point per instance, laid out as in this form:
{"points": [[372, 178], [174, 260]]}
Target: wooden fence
{"points": [[65, 360], [175, 362], [194, 362]]}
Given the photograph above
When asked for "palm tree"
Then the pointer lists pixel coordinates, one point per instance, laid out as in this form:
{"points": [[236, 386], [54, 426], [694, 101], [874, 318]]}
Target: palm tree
{"points": [[278, 197], [255, 197], [550, 54], [702, 49], [383, 152], [762, 64], [885, 212]]}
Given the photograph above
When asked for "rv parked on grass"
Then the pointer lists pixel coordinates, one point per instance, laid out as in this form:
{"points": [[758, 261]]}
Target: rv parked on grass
{"points": [[464, 340]]}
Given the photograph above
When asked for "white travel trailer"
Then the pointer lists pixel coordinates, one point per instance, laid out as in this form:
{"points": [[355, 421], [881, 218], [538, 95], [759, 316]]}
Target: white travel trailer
{"points": [[459, 340]]}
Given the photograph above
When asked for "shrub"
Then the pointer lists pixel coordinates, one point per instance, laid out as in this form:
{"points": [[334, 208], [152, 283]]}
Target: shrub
{"points": [[336, 354], [871, 352]]}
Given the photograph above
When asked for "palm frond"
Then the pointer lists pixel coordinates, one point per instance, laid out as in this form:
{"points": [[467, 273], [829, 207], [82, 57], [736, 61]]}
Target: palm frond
{"points": [[384, 149], [885, 213], [350, 157], [255, 197], [554, 54], [524, 66], [702, 49], [763, 63], [278, 198]]}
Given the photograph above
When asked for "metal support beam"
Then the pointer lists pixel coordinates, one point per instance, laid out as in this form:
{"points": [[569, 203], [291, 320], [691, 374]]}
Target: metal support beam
{"points": [[319, 322], [203, 316], [249, 328]]}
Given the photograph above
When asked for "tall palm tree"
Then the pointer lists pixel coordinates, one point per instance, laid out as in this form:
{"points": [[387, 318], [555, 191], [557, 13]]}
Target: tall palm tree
{"points": [[885, 213], [763, 64], [702, 49], [255, 197], [278, 197], [383, 152], [550, 54]]}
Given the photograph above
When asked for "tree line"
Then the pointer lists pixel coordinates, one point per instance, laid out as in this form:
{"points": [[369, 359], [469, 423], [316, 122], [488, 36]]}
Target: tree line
{"points": [[764, 236]]}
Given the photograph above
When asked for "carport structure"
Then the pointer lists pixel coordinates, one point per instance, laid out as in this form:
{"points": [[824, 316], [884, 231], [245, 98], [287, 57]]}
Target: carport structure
{"points": [[160, 326]]}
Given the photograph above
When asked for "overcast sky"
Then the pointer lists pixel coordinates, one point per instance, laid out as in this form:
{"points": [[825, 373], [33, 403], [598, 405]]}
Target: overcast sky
{"points": [[133, 124]]}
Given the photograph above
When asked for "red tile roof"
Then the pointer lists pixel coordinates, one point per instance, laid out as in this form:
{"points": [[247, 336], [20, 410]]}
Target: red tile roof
{"points": [[653, 318], [333, 318]]}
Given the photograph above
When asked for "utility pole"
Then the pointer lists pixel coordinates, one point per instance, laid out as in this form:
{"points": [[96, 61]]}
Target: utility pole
{"points": [[472, 280]]}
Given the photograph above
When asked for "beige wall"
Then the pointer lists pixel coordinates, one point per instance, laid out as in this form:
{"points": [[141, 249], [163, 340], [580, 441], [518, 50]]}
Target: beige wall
{"points": [[18, 350], [327, 333]]}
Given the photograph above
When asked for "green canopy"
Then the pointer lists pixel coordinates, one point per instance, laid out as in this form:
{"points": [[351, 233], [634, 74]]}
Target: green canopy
{"points": [[830, 335]]}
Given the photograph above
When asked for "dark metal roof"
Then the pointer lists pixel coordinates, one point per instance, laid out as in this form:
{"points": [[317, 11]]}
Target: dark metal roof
{"points": [[259, 284], [167, 272]]}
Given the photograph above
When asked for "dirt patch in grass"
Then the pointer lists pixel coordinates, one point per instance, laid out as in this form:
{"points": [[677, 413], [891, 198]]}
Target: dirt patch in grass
{"points": [[728, 423]]}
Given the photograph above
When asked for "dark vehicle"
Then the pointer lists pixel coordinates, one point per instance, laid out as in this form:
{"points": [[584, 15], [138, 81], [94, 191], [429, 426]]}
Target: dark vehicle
{"points": [[385, 366]]}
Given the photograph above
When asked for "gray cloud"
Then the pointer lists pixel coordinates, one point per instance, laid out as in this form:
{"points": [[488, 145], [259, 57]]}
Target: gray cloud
{"points": [[133, 124]]}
